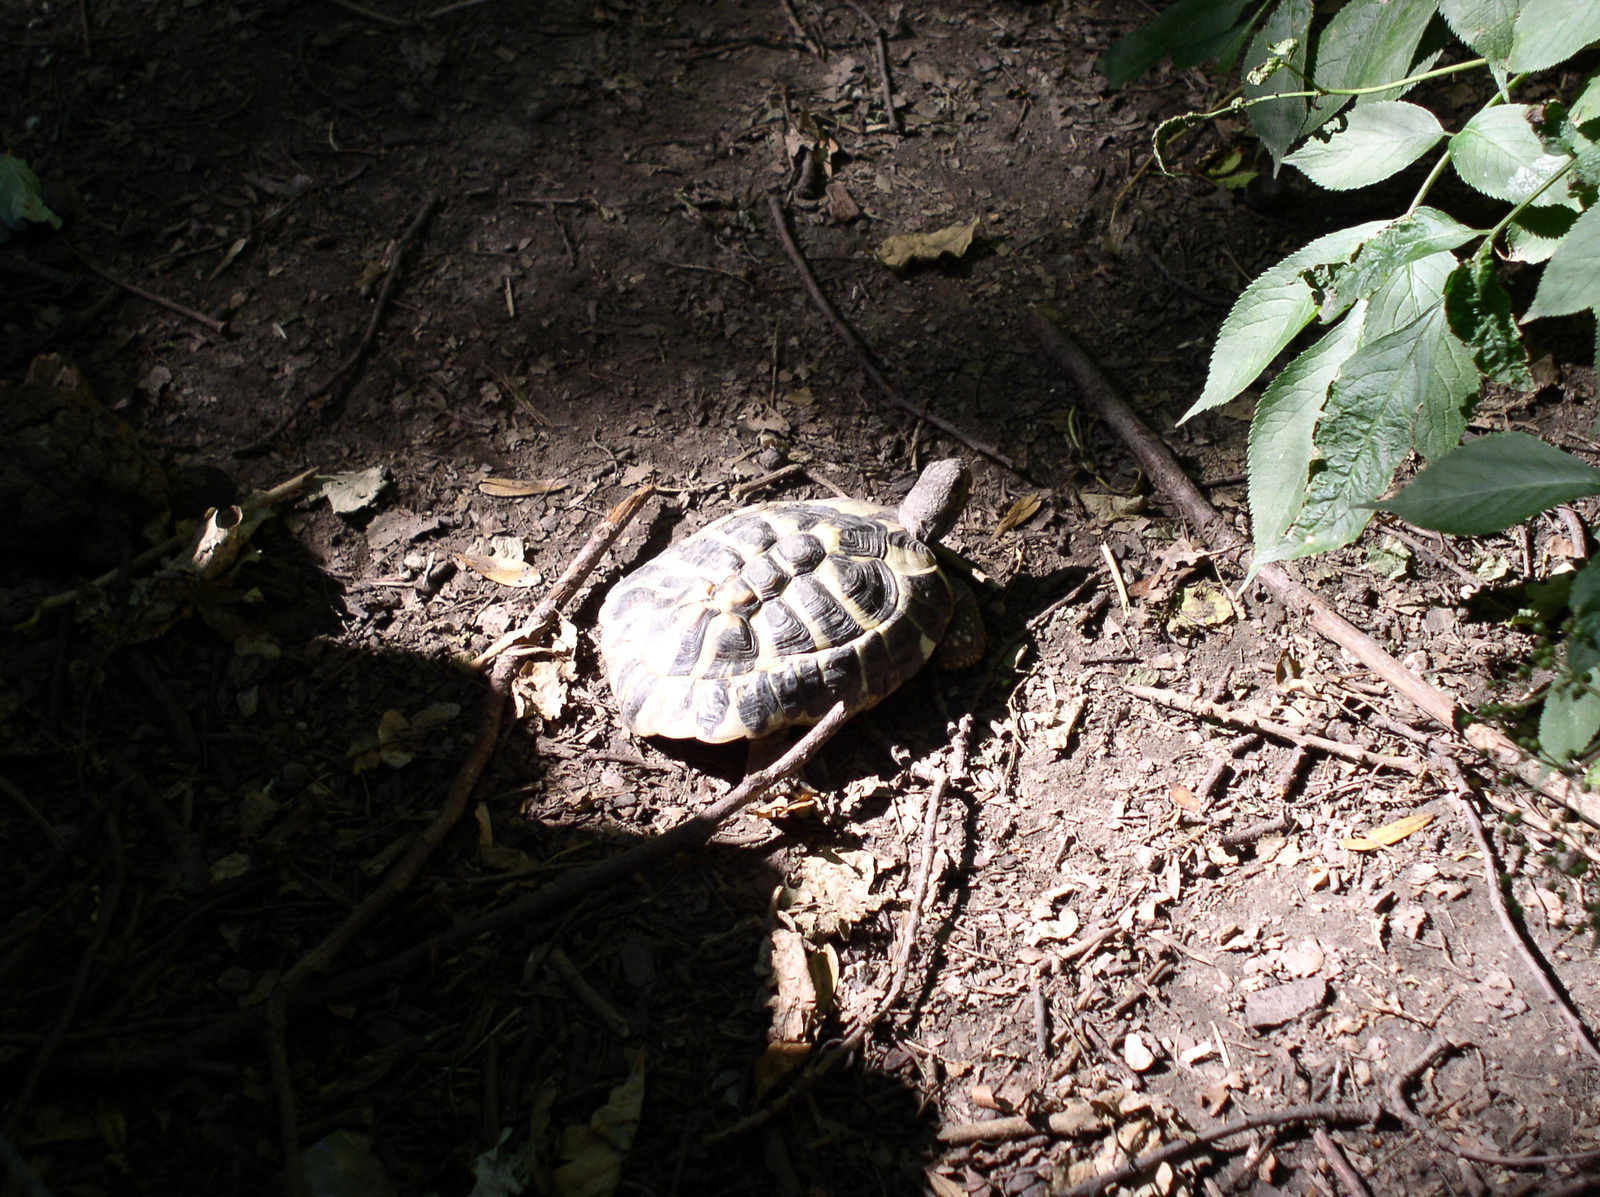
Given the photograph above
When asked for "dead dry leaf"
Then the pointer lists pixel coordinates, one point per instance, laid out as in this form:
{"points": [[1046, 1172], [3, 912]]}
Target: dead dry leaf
{"points": [[832, 891], [1204, 605], [1020, 512], [515, 488], [503, 571], [1389, 833], [901, 250], [593, 1154], [1103, 509], [352, 492], [541, 681]]}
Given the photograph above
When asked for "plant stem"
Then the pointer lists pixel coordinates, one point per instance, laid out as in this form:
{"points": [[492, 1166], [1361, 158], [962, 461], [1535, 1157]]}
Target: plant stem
{"points": [[1488, 242]]}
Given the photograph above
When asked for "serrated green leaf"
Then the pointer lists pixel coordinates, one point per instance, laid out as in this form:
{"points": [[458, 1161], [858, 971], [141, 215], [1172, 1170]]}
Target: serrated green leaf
{"points": [[1449, 383], [1570, 718], [1587, 106], [20, 199], [1367, 145], [1536, 232], [1421, 235], [1480, 314], [1485, 25], [1277, 123], [1281, 445], [1368, 42], [1549, 32], [1571, 279], [1271, 311], [1175, 31], [1491, 483], [1365, 433], [1498, 152], [1583, 628], [1410, 291]]}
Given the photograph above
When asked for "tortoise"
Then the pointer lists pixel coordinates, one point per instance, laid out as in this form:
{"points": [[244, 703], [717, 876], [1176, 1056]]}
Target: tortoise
{"points": [[765, 618]]}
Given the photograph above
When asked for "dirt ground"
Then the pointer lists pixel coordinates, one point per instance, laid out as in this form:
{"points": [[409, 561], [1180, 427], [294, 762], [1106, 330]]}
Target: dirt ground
{"points": [[1140, 923]]}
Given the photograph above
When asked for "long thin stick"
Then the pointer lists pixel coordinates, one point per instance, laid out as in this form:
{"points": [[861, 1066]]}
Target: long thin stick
{"points": [[1164, 470], [1278, 731], [601, 539], [381, 306], [863, 355], [1514, 934]]}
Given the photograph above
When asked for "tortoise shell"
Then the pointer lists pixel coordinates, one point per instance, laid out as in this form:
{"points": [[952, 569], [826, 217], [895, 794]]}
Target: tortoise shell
{"points": [[767, 617]]}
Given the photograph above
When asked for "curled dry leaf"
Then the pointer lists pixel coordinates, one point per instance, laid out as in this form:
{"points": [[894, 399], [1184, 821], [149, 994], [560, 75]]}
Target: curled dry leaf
{"points": [[1020, 512], [901, 250], [503, 571], [1204, 605], [832, 891], [593, 1155], [542, 678], [397, 740], [1104, 509], [352, 492], [1389, 833], [516, 488]]}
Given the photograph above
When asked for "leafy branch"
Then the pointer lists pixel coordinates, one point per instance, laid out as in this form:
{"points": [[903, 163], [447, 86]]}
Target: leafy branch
{"points": [[1413, 314]]}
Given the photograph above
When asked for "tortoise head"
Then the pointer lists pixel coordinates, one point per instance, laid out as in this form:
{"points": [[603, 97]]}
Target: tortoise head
{"points": [[935, 502]]}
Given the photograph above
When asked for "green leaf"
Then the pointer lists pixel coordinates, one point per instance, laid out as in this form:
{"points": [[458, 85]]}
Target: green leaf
{"points": [[1173, 32], [1409, 292], [1583, 629], [1498, 152], [1281, 446], [1571, 717], [1277, 123], [1491, 483], [1421, 235], [20, 198], [1480, 314], [1374, 142], [1276, 305], [1549, 32], [1485, 25], [1367, 43], [1571, 281], [1587, 106], [1366, 432], [1449, 382], [1533, 235]]}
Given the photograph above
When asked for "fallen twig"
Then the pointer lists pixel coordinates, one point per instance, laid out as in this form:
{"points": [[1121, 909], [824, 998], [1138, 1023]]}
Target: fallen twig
{"points": [[429, 205], [558, 896], [863, 355], [566, 586], [1163, 469], [1514, 935], [220, 327], [104, 916], [1397, 1106], [1332, 1113], [320, 958], [1348, 1176], [801, 31], [1278, 731], [825, 1061], [880, 46]]}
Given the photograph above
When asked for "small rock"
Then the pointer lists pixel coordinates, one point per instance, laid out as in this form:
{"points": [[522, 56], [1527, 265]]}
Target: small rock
{"points": [[1276, 1006]]}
